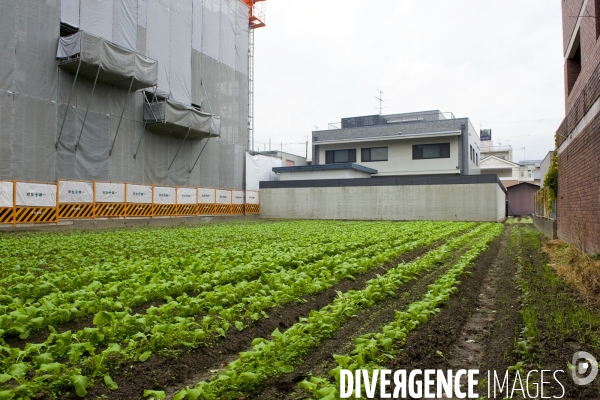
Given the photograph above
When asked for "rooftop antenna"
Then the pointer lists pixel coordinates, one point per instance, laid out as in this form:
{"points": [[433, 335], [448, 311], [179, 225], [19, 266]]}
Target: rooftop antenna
{"points": [[380, 99]]}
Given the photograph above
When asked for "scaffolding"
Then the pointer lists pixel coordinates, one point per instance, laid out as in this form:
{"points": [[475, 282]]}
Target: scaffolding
{"points": [[256, 17]]}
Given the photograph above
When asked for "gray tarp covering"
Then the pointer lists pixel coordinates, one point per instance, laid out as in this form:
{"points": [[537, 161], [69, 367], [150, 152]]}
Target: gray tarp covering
{"points": [[34, 93], [117, 65], [176, 119]]}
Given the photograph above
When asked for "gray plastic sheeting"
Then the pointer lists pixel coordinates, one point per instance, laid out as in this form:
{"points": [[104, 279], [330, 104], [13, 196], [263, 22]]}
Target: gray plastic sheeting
{"points": [[181, 120], [34, 92], [125, 24], [69, 12], [118, 65]]}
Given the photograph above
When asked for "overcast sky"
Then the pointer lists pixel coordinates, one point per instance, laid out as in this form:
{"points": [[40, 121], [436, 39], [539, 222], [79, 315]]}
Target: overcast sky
{"points": [[497, 62]]}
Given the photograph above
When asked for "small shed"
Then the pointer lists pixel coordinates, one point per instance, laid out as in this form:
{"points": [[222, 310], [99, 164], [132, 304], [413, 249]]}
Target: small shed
{"points": [[521, 199]]}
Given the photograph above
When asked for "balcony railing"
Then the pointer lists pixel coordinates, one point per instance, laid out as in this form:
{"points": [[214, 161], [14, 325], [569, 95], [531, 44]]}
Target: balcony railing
{"points": [[378, 120]]}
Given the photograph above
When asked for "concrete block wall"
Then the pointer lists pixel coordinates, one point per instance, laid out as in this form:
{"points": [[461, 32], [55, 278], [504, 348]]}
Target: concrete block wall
{"points": [[454, 202]]}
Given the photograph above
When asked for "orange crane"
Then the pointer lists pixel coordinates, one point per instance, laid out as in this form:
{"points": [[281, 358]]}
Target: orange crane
{"points": [[256, 14], [256, 18]]}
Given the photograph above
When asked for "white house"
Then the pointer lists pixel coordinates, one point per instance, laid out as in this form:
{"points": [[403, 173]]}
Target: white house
{"points": [[419, 143]]}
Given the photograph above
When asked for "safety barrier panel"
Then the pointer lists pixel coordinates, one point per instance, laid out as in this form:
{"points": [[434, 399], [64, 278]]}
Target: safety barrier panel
{"points": [[75, 211], [165, 210], [207, 209], [252, 202], [7, 193], [252, 209], [139, 210], [110, 200], [106, 210], [29, 202], [187, 210], [35, 203]]}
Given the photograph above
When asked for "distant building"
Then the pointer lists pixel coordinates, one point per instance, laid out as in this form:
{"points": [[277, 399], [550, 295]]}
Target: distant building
{"points": [[545, 166], [529, 171], [418, 143], [287, 159], [507, 171], [489, 148], [578, 137]]}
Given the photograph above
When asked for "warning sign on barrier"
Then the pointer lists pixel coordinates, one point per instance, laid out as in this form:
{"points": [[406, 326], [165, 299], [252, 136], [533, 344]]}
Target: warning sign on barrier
{"points": [[164, 195], [252, 197], [110, 192], [6, 194], [139, 194], [237, 197], [186, 196], [75, 192], [206, 196], [36, 194], [223, 196]]}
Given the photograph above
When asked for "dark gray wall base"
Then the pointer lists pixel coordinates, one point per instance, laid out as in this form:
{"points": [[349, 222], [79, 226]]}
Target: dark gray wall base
{"points": [[114, 223]]}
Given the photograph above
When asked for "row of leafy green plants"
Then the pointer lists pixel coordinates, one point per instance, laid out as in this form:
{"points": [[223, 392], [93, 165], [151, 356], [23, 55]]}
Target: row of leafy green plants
{"points": [[271, 358], [56, 364], [173, 278], [372, 350]]}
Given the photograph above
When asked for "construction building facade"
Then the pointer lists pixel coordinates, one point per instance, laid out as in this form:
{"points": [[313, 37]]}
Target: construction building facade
{"points": [[578, 137], [137, 91]]}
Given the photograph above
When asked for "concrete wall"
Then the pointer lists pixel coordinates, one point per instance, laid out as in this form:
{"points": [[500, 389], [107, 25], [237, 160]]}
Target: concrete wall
{"points": [[400, 161], [454, 202], [546, 226]]}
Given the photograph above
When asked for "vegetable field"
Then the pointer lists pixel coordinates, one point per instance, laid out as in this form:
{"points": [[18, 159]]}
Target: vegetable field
{"points": [[221, 311]]}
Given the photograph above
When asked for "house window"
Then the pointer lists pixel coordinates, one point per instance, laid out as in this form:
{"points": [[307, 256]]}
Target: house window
{"points": [[471, 152], [574, 63], [477, 159], [290, 163], [374, 154], [340, 156], [427, 151]]}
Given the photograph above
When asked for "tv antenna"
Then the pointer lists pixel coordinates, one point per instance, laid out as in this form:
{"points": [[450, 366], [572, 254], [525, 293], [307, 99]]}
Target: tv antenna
{"points": [[380, 99]]}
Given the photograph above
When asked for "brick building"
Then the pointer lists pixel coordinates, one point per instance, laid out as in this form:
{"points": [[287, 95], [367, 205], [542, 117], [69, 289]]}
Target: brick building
{"points": [[578, 137]]}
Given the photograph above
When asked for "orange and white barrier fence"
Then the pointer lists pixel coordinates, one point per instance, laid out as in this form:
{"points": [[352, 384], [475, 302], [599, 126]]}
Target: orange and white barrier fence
{"points": [[30, 202]]}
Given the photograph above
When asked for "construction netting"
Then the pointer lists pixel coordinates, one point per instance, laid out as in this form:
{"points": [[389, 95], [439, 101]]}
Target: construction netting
{"points": [[90, 55], [201, 53], [177, 119]]}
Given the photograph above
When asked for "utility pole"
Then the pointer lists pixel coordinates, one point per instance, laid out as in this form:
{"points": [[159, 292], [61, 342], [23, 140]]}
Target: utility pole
{"points": [[306, 136]]}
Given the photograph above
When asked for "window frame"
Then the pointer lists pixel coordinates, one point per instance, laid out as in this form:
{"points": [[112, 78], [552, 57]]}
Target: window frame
{"points": [[368, 150], [442, 153], [351, 156]]}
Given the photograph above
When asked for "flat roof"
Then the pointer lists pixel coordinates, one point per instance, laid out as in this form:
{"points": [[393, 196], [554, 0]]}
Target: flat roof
{"points": [[325, 167]]}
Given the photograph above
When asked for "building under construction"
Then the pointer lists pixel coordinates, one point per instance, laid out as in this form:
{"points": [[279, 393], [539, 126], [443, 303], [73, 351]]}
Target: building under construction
{"points": [[141, 91]]}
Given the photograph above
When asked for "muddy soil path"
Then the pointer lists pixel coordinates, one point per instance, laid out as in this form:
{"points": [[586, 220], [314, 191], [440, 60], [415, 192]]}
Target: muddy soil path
{"points": [[173, 370]]}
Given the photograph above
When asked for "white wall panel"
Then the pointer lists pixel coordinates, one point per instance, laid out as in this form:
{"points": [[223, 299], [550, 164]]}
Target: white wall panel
{"points": [[110, 192], [164, 195], [75, 192], [69, 12], [211, 17], [197, 25], [142, 14], [6, 194], [228, 24], [97, 18], [206, 196], [125, 24], [140, 194], [180, 60], [159, 40], [36, 195]]}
